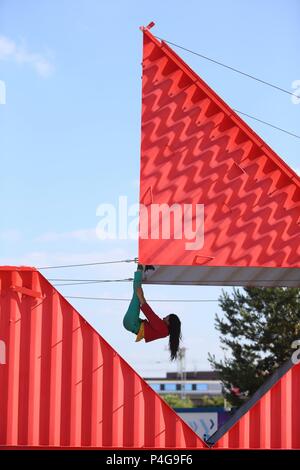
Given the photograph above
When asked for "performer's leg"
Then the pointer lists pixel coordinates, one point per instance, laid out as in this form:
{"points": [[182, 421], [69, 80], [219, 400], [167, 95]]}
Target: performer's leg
{"points": [[131, 320]]}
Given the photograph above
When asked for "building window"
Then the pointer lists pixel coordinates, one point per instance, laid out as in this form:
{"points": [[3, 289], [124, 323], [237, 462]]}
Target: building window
{"points": [[201, 387], [187, 387], [170, 387], [155, 387]]}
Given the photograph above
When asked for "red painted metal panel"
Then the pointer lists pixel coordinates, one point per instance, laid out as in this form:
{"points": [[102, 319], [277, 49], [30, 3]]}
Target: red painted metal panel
{"points": [[62, 385], [273, 422], [195, 149]]}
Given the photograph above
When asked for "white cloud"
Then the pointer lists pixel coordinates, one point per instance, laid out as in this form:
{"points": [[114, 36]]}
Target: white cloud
{"points": [[84, 235], [11, 235], [48, 258], [136, 183], [19, 53], [7, 47]]}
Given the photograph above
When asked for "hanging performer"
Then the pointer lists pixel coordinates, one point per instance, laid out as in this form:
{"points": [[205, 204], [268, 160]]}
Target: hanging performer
{"points": [[153, 327]]}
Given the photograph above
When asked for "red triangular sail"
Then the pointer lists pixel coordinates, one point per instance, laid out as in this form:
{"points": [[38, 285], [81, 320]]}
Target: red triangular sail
{"points": [[63, 385], [196, 150]]}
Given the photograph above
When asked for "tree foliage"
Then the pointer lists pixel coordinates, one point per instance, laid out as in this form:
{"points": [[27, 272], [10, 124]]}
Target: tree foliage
{"points": [[176, 402], [257, 330], [215, 400]]}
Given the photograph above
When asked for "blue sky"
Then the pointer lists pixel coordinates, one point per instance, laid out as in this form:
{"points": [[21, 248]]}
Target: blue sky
{"points": [[70, 135]]}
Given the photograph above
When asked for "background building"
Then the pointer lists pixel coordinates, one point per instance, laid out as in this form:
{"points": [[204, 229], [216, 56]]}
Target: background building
{"points": [[192, 385], [199, 390]]}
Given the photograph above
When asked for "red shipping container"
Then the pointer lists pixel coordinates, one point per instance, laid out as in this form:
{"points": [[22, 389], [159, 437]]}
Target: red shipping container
{"points": [[63, 385], [196, 150], [270, 419]]}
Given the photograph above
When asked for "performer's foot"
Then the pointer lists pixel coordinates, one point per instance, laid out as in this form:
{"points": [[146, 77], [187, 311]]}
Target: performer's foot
{"points": [[145, 267], [149, 267]]}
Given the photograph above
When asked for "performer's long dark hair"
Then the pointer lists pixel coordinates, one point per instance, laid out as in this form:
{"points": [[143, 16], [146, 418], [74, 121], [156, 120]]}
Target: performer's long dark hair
{"points": [[175, 335]]}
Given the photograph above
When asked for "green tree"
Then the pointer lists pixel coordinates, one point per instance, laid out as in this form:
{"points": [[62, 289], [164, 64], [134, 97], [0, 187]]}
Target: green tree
{"points": [[176, 402], [257, 329], [212, 400]]}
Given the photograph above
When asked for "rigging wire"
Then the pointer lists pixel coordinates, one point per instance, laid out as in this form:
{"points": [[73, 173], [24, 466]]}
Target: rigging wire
{"points": [[89, 264], [292, 134], [267, 123], [222, 64], [150, 300], [75, 282]]}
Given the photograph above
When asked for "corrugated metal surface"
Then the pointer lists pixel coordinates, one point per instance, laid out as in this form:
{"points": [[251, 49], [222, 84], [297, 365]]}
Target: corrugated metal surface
{"points": [[271, 419], [63, 385], [195, 149]]}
